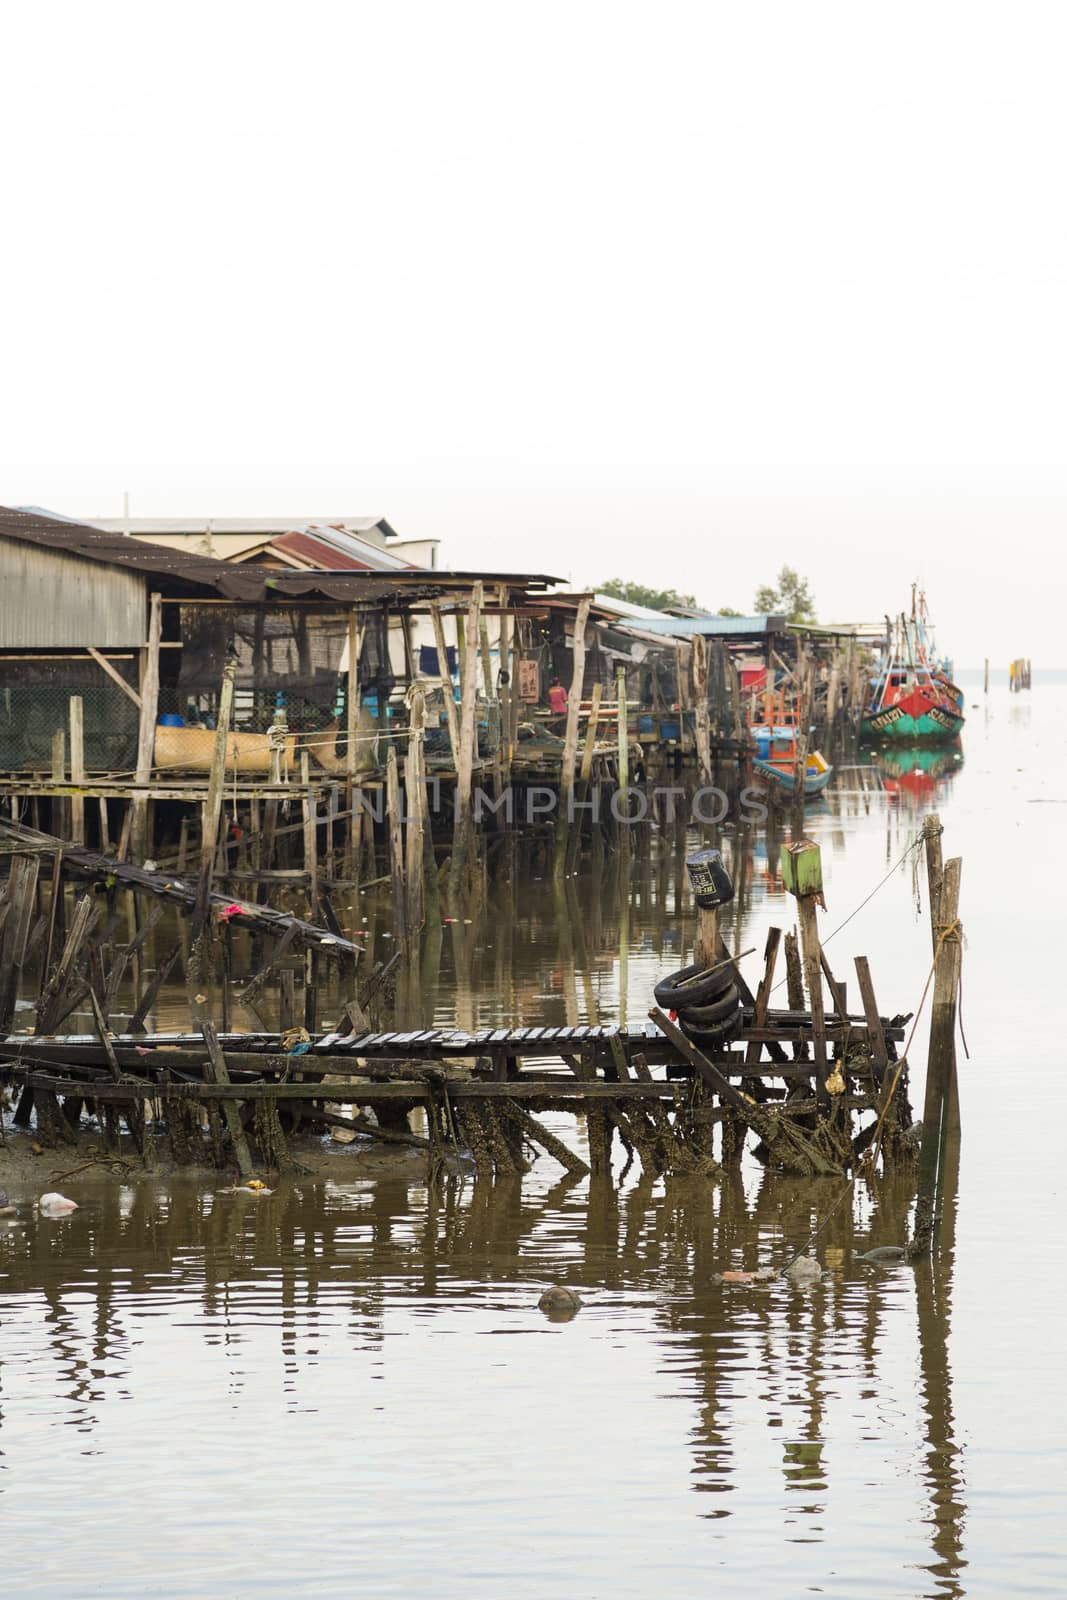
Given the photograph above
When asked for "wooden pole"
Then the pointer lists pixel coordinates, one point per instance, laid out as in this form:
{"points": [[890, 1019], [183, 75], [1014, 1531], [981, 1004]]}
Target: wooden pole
{"points": [[216, 1071], [803, 719], [590, 733], [465, 766], [21, 891], [77, 767], [417, 801], [146, 728], [212, 808], [935, 873], [311, 854], [700, 700], [801, 864], [941, 1054], [565, 815], [623, 731], [503, 696], [351, 737], [985, 684], [396, 839], [60, 808], [446, 681]]}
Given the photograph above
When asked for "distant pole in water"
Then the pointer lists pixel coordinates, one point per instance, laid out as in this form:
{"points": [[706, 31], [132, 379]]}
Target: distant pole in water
{"points": [[985, 686]]}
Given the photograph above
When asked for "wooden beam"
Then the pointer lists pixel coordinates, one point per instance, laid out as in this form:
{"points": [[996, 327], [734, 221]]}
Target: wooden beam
{"points": [[116, 677]]}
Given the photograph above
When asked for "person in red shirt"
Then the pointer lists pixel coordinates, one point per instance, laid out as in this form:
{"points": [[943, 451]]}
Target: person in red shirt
{"points": [[557, 704]]}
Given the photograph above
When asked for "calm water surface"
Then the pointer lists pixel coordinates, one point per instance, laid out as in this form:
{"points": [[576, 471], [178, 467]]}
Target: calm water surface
{"points": [[347, 1388]]}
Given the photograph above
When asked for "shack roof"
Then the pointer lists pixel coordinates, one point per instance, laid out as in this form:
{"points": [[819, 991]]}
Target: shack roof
{"points": [[180, 573], [160, 527], [710, 627]]}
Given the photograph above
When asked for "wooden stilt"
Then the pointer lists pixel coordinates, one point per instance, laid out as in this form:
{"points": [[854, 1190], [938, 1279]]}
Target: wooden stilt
{"points": [[146, 728], [467, 731], [417, 820], [941, 1055], [77, 767], [396, 840], [212, 808], [565, 814]]}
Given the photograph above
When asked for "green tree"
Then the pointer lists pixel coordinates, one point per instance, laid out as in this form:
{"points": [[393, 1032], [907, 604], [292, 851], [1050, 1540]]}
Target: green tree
{"points": [[791, 597], [729, 611], [638, 594]]}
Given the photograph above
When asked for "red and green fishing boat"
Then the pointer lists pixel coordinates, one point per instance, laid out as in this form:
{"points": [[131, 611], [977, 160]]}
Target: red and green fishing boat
{"points": [[913, 699]]}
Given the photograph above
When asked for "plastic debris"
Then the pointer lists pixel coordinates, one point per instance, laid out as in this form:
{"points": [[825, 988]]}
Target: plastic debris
{"points": [[805, 1269], [56, 1205]]}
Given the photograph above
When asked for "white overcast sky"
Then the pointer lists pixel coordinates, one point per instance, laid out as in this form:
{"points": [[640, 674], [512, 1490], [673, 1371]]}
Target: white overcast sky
{"points": [[671, 292]]}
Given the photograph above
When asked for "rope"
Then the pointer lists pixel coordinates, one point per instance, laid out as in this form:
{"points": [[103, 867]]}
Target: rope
{"points": [[879, 885], [865, 1167]]}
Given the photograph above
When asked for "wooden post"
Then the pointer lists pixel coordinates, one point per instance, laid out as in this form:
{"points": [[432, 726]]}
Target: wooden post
{"points": [[833, 691], [803, 719], [60, 808], [700, 700], [705, 950], [351, 737], [212, 808], [446, 681], [564, 816], [465, 765], [417, 802], [215, 1070], [763, 994], [146, 728], [932, 832], [623, 731], [801, 864], [77, 767], [940, 1056], [396, 839], [21, 891], [311, 853], [503, 696], [590, 734], [985, 684], [875, 1036]]}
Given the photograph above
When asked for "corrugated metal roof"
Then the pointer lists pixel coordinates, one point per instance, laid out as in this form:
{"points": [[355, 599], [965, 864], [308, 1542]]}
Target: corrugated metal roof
{"points": [[97, 544], [330, 547], [145, 527], [176, 572], [709, 627]]}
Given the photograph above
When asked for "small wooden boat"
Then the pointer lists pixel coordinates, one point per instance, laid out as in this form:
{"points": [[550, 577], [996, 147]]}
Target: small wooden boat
{"points": [[817, 775], [776, 760]]}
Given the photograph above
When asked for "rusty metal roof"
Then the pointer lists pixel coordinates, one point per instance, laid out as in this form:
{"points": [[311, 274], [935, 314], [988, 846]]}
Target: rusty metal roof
{"points": [[176, 572]]}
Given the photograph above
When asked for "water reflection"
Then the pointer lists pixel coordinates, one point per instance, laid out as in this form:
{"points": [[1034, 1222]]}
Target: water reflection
{"points": [[280, 1290]]}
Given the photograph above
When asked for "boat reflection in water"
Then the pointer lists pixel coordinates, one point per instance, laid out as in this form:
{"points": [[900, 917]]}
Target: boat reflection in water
{"points": [[916, 776]]}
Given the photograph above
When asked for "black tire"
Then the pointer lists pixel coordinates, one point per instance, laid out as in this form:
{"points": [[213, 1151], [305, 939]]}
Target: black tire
{"points": [[672, 996], [713, 1033], [710, 1015]]}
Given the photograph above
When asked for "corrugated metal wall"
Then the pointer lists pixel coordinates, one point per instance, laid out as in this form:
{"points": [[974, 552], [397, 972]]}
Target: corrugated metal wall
{"points": [[49, 599]]}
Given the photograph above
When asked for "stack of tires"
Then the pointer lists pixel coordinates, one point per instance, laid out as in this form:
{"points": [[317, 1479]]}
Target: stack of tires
{"points": [[706, 1003]]}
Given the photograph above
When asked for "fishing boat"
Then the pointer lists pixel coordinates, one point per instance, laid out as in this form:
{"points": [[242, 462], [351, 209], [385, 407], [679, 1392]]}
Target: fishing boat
{"points": [[776, 760], [774, 733], [912, 697]]}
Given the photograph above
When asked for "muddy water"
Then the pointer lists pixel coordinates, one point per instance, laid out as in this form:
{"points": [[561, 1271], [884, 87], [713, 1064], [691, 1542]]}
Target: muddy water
{"points": [[347, 1388]]}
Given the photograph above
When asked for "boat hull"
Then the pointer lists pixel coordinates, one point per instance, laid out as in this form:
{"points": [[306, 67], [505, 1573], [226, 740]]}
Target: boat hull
{"points": [[937, 724], [784, 778]]}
